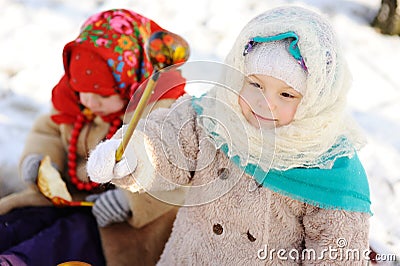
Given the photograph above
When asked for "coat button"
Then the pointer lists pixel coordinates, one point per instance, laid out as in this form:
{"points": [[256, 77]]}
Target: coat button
{"points": [[217, 228], [223, 173]]}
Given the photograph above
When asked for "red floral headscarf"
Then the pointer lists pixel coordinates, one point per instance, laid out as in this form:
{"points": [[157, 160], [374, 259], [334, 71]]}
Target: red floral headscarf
{"points": [[108, 58]]}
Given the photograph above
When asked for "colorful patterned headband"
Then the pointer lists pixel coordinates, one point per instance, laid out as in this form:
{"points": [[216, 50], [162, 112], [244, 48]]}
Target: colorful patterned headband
{"points": [[293, 47]]}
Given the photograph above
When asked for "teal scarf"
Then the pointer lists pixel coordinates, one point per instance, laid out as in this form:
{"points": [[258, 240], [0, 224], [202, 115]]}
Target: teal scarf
{"points": [[343, 187]]}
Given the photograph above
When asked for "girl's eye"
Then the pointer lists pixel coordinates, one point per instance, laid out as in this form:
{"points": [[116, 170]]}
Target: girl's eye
{"points": [[287, 95], [255, 84]]}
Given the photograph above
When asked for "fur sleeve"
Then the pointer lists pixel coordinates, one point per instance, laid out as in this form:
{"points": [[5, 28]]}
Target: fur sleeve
{"points": [[166, 146]]}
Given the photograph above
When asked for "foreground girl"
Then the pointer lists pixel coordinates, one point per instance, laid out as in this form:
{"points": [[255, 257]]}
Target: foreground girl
{"points": [[267, 164]]}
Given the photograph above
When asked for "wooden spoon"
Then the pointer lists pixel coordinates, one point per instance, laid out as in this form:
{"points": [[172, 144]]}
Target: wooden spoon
{"points": [[164, 49]]}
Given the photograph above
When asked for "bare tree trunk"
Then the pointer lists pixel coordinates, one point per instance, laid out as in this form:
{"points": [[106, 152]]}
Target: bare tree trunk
{"points": [[387, 20]]}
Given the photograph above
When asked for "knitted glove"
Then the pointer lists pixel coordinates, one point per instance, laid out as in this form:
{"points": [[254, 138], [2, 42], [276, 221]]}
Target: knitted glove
{"points": [[111, 207], [30, 167], [101, 166]]}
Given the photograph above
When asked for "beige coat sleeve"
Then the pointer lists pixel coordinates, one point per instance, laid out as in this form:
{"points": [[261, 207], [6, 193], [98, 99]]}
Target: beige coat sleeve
{"points": [[159, 158], [166, 146], [145, 207], [336, 237], [45, 139]]}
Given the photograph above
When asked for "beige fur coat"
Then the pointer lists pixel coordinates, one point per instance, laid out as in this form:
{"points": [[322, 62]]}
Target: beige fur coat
{"points": [[227, 219]]}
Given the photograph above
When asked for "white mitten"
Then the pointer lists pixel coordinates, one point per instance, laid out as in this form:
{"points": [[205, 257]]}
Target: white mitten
{"points": [[127, 164], [101, 165]]}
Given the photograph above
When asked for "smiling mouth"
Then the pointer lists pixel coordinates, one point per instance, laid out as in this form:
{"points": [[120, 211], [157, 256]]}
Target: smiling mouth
{"points": [[264, 118]]}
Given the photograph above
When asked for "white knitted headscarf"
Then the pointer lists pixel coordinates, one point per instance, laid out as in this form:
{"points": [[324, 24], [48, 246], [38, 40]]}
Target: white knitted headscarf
{"points": [[273, 59], [321, 130]]}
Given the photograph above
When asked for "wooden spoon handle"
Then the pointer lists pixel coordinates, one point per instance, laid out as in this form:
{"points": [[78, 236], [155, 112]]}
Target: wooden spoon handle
{"points": [[137, 115]]}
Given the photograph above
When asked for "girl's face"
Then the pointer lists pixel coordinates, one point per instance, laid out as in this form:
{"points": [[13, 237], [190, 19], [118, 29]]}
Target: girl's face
{"points": [[268, 102], [101, 105]]}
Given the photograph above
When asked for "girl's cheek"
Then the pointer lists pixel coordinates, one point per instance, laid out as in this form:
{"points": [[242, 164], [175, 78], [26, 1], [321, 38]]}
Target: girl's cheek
{"points": [[244, 96], [243, 104]]}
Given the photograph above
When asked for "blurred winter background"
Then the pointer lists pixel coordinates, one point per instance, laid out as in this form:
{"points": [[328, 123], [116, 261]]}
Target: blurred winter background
{"points": [[33, 33]]}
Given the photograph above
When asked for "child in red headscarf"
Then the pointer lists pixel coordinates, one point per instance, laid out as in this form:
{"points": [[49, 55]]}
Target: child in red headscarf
{"points": [[104, 67]]}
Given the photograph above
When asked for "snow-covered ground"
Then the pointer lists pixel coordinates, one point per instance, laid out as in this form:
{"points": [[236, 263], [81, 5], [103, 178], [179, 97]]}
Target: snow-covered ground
{"points": [[33, 33]]}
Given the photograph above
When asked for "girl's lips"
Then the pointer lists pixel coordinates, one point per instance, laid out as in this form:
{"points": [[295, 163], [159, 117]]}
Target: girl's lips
{"points": [[264, 118]]}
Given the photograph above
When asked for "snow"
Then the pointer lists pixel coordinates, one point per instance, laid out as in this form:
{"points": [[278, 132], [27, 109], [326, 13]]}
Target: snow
{"points": [[34, 32]]}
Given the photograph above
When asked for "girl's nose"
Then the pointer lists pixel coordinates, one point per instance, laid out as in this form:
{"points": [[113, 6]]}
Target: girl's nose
{"points": [[271, 105], [271, 102], [92, 101], [267, 102]]}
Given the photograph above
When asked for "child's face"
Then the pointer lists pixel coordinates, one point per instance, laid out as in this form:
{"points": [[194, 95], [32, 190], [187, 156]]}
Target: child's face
{"points": [[101, 105], [260, 92]]}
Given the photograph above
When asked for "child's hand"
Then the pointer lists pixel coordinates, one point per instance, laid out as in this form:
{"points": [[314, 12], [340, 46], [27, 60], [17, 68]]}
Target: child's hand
{"points": [[111, 207], [101, 166]]}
